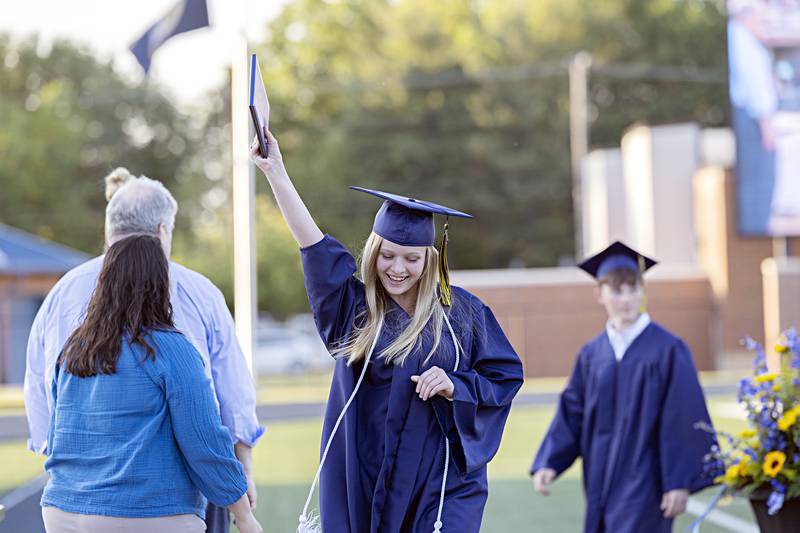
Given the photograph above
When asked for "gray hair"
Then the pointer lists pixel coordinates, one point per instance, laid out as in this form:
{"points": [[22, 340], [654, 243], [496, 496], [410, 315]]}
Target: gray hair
{"points": [[137, 205]]}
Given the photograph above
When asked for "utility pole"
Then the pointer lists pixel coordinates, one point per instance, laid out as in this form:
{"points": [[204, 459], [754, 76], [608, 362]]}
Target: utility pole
{"points": [[244, 256], [579, 70]]}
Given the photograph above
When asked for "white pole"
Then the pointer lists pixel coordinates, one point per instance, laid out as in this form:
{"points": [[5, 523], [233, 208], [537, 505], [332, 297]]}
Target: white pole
{"points": [[579, 135], [244, 256]]}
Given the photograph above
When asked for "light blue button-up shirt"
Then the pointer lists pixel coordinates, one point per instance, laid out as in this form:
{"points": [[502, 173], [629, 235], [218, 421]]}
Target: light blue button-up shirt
{"points": [[199, 312]]}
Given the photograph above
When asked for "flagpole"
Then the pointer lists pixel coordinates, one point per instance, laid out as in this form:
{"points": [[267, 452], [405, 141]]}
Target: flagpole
{"points": [[244, 278]]}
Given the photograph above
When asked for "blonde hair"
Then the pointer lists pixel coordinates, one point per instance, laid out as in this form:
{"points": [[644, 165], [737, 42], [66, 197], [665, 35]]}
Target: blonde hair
{"points": [[427, 309]]}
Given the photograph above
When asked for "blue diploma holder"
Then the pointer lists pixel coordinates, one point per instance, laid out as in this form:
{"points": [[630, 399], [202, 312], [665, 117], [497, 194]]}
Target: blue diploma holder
{"points": [[259, 106]]}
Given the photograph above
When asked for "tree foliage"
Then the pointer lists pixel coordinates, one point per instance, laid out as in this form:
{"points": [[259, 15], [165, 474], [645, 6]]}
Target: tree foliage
{"points": [[466, 103], [68, 119], [462, 102]]}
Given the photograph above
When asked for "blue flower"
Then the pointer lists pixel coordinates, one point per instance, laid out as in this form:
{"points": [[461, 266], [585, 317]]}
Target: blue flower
{"points": [[775, 502]]}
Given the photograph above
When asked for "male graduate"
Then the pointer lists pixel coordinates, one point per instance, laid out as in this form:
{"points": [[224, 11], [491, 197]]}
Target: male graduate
{"points": [[629, 411]]}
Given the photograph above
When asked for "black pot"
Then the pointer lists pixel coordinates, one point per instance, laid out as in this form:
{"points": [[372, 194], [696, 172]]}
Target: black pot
{"points": [[787, 520]]}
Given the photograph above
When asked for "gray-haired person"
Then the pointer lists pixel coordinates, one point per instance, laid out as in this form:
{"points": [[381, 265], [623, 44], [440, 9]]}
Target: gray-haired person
{"points": [[140, 205]]}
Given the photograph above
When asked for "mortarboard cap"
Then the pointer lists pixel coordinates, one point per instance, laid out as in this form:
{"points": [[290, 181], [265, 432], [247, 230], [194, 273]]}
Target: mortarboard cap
{"points": [[409, 222], [616, 256]]}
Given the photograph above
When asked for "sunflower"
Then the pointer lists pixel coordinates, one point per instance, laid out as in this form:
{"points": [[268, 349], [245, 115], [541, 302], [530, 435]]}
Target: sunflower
{"points": [[773, 463]]}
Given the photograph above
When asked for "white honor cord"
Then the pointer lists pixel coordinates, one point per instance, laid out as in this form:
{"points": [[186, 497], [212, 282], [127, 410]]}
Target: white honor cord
{"points": [[437, 526], [306, 522]]}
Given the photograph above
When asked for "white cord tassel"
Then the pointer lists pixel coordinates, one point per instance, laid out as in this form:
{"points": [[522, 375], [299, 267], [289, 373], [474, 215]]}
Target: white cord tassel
{"points": [[310, 523], [437, 526]]}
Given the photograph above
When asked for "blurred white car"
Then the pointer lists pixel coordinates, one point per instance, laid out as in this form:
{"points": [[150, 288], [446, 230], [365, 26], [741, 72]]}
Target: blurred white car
{"points": [[293, 348]]}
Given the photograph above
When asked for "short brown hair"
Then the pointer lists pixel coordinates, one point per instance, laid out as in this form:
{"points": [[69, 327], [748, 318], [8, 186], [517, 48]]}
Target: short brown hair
{"points": [[620, 276]]}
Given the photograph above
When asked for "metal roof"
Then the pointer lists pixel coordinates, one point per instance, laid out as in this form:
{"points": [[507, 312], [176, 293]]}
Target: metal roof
{"points": [[22, 253]]}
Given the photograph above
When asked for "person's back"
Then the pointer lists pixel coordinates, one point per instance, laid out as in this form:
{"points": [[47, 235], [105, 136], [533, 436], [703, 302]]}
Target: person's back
{"points": [[118, 441], [135, 435], [142, 206]]}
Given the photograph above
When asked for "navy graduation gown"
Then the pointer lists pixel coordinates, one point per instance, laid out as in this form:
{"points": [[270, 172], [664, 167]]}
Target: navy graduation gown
{"points": [[384, 470], [632, 422]]}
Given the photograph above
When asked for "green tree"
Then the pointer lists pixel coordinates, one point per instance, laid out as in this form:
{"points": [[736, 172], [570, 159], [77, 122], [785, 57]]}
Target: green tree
{"points": [[68, 119], [466, 103]]}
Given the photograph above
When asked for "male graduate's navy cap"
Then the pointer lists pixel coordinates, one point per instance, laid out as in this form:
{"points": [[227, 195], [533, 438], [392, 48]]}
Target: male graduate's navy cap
{"points": [[409, 222], [615, 257]]}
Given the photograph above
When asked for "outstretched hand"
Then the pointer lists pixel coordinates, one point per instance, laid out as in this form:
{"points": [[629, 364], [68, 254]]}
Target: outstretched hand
{"points": [[432, 382]]}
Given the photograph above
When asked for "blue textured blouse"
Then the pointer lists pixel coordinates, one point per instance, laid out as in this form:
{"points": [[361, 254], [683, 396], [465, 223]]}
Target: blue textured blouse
{"points": [[145, 441]]}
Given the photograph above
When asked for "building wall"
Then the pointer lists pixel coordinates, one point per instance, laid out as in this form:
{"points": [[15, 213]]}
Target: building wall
{"points": [[548, 314], [19, 299], [658, 165], [732, 262]]}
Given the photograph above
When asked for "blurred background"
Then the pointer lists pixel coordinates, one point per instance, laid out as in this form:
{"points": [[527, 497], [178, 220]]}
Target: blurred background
{"points": [[561, 125]]}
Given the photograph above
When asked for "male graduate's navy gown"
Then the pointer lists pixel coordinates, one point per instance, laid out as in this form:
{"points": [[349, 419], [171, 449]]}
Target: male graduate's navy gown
{"points": [[384, 470], [632, 422]]}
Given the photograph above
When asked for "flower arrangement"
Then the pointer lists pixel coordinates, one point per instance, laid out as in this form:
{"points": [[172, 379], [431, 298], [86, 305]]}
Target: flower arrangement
{"points": [[765, 457]]}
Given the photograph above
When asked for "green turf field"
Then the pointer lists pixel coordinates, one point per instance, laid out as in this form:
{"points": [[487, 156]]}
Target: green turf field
{"points": [[286, 460]]}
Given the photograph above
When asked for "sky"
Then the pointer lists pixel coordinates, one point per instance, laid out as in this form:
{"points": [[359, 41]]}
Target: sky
{"points": [[187, 65]]}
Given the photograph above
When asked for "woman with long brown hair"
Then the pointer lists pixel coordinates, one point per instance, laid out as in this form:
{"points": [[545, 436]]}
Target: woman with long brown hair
{"points": [[135, 439]]}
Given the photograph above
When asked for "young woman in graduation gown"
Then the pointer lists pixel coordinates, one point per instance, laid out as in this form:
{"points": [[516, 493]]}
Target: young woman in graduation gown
{"points": [[407, 436]]}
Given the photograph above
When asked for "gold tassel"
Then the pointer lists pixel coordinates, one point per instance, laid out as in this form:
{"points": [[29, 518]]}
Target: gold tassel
{"points": [[643, 306], [444, 274]]}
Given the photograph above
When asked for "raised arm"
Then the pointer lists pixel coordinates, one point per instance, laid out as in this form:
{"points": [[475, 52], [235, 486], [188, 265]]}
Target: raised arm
{"points": [[301, 224]]}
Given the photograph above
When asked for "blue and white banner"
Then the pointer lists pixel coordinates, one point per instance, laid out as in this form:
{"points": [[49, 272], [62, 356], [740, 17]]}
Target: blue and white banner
{"points": [[187, 15]]}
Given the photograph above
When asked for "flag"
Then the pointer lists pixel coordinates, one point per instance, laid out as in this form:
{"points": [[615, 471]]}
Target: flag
{"points": [[187, 15]]}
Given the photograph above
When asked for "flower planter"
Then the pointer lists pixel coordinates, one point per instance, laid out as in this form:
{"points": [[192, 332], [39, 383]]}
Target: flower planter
{"points": [[786, 520]]}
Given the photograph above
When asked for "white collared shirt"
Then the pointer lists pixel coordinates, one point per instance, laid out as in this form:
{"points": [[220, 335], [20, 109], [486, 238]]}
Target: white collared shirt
{"points": [[621, 340]]}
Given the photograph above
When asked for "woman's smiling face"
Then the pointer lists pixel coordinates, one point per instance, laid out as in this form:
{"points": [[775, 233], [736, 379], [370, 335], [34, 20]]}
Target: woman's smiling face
{"points": [[400, 267]]}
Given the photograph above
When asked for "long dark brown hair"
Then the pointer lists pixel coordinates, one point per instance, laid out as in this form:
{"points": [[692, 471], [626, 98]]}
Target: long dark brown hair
{"points": [[132, 296]]}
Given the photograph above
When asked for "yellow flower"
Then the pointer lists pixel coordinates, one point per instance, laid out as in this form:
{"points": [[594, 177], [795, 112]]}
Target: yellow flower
{"points": [[787, 420], [732, 475], [773, 463], [781, 346], [744, 461], [747, 433], [776, 387], [763, 378]]}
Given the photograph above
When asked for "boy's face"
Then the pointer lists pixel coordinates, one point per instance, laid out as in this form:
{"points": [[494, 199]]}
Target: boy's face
{"points": [[623, 305]]}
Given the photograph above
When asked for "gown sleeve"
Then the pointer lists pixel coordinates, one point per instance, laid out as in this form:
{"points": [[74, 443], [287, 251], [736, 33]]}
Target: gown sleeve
{"points": [[681, 446], [474, 420], [335, 295], [561, 444]]}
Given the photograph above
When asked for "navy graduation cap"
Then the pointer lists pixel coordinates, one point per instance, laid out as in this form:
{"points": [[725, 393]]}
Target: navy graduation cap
{"points": [[409, 222], [616, 256]]}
